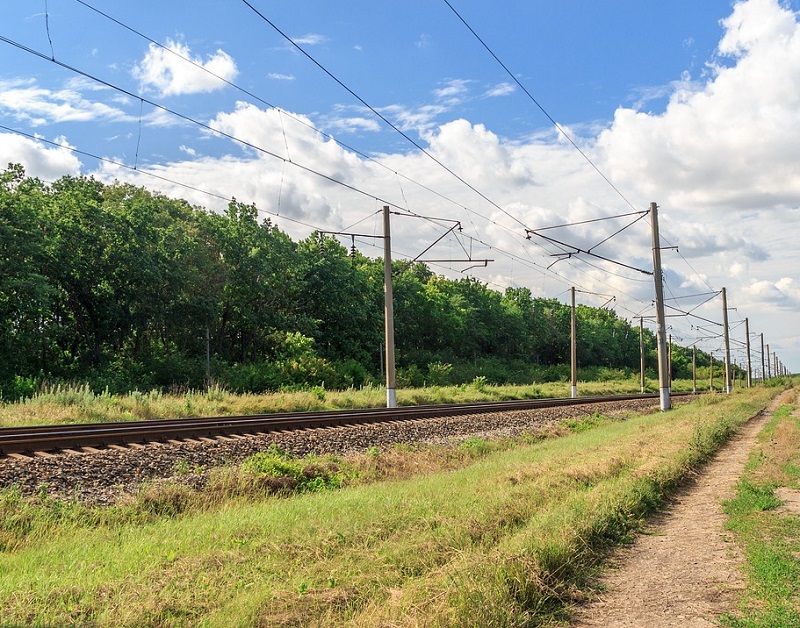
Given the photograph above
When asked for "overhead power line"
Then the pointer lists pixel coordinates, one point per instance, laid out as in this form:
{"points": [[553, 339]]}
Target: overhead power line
{"points": [[379, 115], [191, 120], [533, 265], [310, 126], [555, 124], [541, 108], [147, 173]]}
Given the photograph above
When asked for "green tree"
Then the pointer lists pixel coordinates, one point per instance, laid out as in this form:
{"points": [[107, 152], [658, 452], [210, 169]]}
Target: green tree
{"points": [[341, 300]]}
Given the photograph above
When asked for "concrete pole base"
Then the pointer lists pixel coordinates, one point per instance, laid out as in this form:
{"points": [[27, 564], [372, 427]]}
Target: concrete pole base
{"points": [[663, 394]]}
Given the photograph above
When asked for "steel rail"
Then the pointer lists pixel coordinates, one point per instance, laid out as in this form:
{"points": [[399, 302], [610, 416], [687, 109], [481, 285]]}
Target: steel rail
{"points": [[78, 435]]}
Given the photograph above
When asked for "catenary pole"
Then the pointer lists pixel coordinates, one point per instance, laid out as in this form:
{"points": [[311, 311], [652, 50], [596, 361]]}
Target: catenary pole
{"points": [[388, 311], [694, 369], [726, 333], [769, 364], [711, 372], [763, 361], [573, 344], [749, 362], [669, 362], [661, 335]]}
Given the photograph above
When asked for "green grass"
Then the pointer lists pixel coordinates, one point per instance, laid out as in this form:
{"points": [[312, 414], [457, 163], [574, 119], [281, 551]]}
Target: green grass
{"points": [[771, 539], [78, 404], [502, 534]]}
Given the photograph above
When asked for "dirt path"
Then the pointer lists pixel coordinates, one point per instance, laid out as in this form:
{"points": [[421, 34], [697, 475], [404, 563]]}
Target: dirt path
{"points": [[684, 571]]}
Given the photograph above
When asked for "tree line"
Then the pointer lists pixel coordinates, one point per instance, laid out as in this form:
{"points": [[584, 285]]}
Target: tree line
{"points": [[124, 288]]}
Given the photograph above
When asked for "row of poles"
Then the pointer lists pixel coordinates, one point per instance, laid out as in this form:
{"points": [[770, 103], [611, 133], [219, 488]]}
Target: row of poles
{"points": [[664, 371], [664, 349]]}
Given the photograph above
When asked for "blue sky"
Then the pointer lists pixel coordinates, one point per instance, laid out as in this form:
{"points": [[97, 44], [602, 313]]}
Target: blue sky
{"points": [[691, 104]]}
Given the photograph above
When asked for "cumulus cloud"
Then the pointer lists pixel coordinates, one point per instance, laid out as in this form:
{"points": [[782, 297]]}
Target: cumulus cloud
{"points": [[25, 101], [501, 89], [781, 293], [173, 70], [726, 143], [41, 160]]}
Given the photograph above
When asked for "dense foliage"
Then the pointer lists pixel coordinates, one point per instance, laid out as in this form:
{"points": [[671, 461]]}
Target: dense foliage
{"points": [[121, 287]]}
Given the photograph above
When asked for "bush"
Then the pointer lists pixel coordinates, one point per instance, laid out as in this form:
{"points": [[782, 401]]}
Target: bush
{"points": [[410, 377], [280, 473], [439, 373], [351, 374], [20, 388], [257, 378]]}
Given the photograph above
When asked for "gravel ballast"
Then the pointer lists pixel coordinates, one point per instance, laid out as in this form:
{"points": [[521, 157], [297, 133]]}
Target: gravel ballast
{"points": [[100, 478]]}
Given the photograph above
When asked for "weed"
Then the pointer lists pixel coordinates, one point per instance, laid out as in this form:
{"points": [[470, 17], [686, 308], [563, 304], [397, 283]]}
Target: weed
{"points": [[182, 467], [583, 423], [282, 473], [476, 446], [318, 392], [479, 383]]}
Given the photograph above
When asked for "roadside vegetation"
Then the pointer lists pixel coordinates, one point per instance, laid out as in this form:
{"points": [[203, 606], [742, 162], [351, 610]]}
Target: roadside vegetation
{"points": [[769, 535], [484, 533], [79, 404]]}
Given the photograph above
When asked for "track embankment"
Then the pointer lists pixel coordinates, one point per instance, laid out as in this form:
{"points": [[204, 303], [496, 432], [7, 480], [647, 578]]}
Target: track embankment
{"points": [[101, 477]]}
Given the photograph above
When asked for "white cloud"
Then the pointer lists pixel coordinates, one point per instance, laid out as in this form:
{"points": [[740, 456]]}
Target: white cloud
{"points": [[420, 119], [423, 41], [781, 293], [312, 39], [39, 160], [25, 101], [353, 124], [453, 91], [728, 143], [754, 22], [275, 76], [501, 89], [169, 73]]}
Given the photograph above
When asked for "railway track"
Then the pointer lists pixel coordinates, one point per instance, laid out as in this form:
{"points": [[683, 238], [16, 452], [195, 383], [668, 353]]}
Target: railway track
{"points": [[50, 438]]}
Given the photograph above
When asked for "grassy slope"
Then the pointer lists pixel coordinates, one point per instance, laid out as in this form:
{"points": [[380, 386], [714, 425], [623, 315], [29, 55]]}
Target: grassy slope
{"points": [[508, 540]]}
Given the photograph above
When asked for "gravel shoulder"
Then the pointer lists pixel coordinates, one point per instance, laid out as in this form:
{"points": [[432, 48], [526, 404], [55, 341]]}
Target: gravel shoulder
{"points": [[685, 569]]}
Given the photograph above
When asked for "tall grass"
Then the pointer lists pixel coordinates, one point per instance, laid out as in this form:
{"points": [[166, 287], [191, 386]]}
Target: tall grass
{"points": [[510, 539], [78, 404]]}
